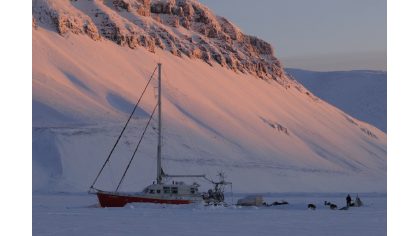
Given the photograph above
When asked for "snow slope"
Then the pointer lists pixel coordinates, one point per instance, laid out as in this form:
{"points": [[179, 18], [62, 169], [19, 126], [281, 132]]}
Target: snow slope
{"points": [[267, 135], [360, 93]]}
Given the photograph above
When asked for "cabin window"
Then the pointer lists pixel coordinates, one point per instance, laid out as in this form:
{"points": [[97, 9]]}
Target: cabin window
{"points": [[166, 190], [151, 191], [192, 190], [174, 190]]}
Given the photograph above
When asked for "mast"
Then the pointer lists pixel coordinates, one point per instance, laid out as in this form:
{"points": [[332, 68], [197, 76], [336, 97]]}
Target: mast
{"points": [[159, 147]]}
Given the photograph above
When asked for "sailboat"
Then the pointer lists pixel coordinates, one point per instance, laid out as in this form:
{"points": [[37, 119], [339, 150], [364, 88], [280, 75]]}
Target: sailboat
{"points": [[160, 191]]}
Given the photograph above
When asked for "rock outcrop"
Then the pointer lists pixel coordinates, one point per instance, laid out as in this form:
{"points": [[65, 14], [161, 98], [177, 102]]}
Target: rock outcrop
{"points": [[182, 27]]}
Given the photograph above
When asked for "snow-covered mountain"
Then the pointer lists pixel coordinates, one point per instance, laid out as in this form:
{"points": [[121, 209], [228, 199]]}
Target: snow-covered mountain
{"points": [[182, 27], [227, 102], [360, 93]]}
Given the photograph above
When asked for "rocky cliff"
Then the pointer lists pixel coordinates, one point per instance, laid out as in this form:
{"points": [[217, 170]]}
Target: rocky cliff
{"points": [[182, 27]]}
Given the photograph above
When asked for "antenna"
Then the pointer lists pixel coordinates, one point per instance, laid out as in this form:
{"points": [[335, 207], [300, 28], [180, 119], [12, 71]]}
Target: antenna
{"points": [[159, 148]]}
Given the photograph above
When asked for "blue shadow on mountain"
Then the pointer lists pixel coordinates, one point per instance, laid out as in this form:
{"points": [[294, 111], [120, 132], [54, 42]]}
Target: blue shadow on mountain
{"points": [[77, 82], [123, 105]]}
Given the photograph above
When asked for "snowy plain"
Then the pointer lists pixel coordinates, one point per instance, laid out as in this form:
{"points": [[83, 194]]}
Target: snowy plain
{"points": [[77, 214]]}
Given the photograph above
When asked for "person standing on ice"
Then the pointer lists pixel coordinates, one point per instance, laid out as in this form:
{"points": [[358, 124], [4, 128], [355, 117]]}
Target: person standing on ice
{"points": [[358, 202], [348, 200]]}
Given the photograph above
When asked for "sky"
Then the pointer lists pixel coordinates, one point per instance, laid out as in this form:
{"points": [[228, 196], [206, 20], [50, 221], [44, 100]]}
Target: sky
{"points": [[320, 35]]}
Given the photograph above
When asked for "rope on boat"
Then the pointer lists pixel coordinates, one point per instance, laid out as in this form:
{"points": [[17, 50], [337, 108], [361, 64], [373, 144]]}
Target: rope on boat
{"points": [[137, 147], [125, 126]]}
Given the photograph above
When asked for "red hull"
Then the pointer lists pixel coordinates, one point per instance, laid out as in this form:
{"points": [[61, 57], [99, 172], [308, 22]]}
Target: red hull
{"points": [[115, 200]]}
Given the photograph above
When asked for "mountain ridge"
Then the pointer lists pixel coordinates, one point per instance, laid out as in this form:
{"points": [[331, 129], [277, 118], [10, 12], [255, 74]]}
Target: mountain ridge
{"points": [[182, 27], [360, 93]]}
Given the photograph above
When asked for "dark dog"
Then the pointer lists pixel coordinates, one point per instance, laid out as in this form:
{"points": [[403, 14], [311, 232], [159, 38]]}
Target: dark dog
{"points": [[333, 206], [279, 203], [311, 206]]}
